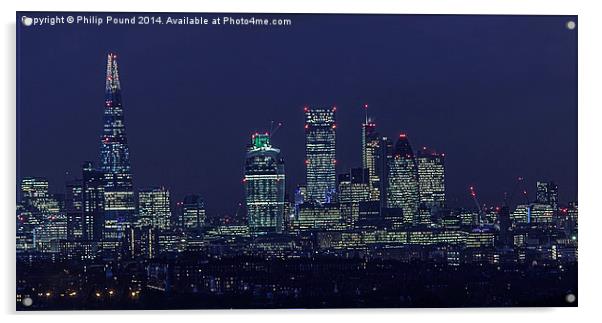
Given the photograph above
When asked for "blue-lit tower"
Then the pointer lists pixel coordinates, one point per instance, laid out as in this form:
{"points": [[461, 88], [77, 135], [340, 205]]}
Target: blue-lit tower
{"points": [[119, 202]]}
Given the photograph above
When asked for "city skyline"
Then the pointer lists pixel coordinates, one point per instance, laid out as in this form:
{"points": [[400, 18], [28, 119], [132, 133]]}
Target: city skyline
{"points": [[427, 118], [331, 204]]}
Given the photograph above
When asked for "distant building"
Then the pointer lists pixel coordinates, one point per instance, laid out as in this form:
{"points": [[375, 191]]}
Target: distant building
{"points": [[154, 208], [93, 203], [193, 213], [264, 184], [370, 154], [320, 150], [74, 209], [115, 160], [384, 156], [402, 190], [35, 194], [314, 216], [431, 178], [547, 193], [354, 187]]}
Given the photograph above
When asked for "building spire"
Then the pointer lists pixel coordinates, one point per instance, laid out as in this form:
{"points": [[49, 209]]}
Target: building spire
{"points": [[112, 85]]}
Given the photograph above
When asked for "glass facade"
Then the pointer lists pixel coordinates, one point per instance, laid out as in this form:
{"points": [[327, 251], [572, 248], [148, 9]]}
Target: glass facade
{"points": [[320, 151], [402, 190], [114, 158], [264, 184], [154, 208]]}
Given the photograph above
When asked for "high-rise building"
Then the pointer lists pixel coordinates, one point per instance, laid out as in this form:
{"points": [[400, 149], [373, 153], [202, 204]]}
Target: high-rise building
{"points": [[320, 161], [431, 178], [354, 187], [547, 193], [35, 194], [383, 158], [264, 184], [115, 158], [93, 189], [370, 150], [154, 208], [193, 212], [402, 190], [74, 209]]}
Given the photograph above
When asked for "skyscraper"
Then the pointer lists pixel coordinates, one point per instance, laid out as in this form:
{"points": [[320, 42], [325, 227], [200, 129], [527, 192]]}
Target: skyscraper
{"points": [[547, 193], [264, 186], [402, 190], [115, 159], [431, 178], [35, 194], [193, 212], [354, 187], [93, 189], [74, 209], [320, 161], [154, 208], [383, 157], [370, 150]]}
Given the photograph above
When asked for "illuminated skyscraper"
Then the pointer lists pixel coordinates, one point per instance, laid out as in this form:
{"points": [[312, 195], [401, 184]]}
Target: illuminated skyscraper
{"points": [[264, 186], [74, 209], [93, 189], [354, 187], [193, 212], [383, 158], [154, 208], [320, 162], [547, 193], [114, 158], [370, 150], [431, 178], [35, 194], [402, 190]]}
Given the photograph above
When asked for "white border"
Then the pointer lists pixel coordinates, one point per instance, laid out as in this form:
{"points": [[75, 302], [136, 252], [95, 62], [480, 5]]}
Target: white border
{"points": [[590, 53]]}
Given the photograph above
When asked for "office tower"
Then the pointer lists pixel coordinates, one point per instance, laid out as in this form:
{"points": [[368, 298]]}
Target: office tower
{"points": [[314, 216], [74, 209], [49, 236], [193, 212], [370, 150], [264, 186], [300, 197], [505, 223], [402, 190], [320, 161], [35, 194], [431, 178], [114, 158], [142, 242], [154, 208], [547, 193], [353, 187], [93, 189], [383, 157]]}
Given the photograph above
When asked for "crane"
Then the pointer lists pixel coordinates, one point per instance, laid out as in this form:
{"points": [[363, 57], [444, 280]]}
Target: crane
{"points": [[473, 193], [274, 130]]}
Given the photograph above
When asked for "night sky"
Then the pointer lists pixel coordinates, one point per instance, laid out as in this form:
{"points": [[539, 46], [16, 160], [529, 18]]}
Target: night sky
{"points": [[497, 94]]}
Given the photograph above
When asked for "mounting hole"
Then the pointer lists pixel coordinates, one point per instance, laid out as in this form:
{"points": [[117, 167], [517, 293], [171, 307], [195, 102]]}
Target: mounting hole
{"points": [[570, 298], [570, 25], [27, 301], [27, 21]]}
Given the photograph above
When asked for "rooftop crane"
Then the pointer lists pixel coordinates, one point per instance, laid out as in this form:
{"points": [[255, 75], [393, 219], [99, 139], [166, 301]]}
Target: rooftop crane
{"points": [[473, 193]]}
